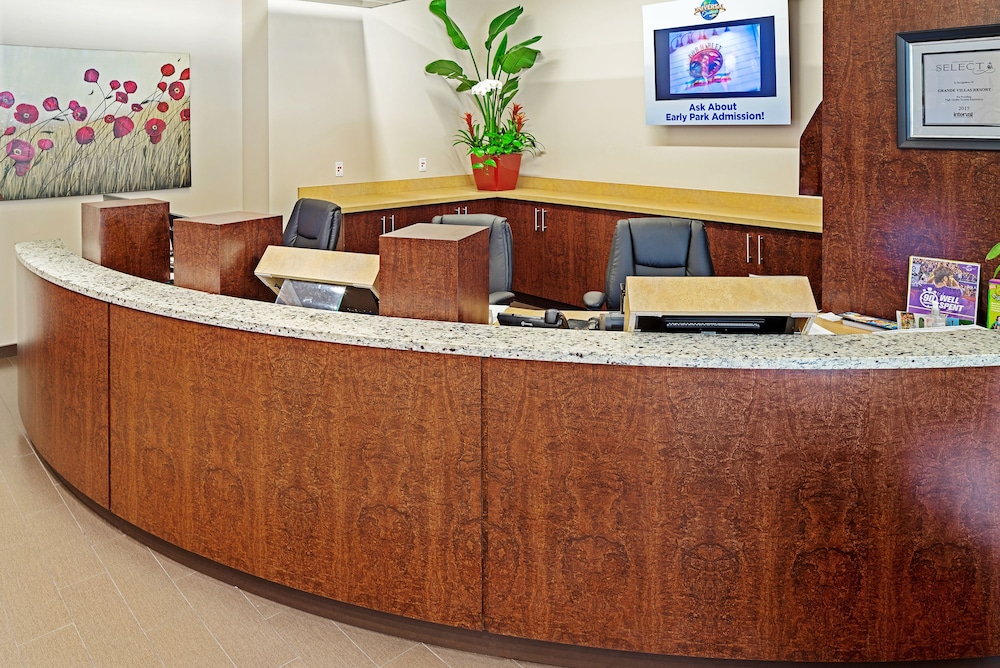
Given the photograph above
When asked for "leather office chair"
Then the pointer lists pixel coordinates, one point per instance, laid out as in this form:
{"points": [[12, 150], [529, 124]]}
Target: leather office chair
{"points": [[652, 247], [501, 251], [314, 223]]}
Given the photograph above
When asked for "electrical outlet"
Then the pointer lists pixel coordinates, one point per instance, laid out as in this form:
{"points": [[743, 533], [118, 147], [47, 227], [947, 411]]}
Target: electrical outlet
{"points": [[422, 164], [339, 167]]}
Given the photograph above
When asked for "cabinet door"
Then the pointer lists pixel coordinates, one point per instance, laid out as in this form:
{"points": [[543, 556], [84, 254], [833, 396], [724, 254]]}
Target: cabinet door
{"points": [[529, 247], [730, 247], [360, 231]]}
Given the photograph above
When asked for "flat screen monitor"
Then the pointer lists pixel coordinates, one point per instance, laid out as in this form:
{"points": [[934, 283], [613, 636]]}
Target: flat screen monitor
{"points": [[328, 297]]}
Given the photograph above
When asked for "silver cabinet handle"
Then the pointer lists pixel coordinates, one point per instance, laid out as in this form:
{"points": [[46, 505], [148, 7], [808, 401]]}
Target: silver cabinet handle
{"points": [[383, 224], [760, 258], [458, 210], [536, 220], [392, 222], [749, 259], [543, 220]]}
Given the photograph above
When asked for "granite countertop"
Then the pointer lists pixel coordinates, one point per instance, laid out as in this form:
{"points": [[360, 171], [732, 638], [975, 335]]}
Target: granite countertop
{"points": [[977, 347]]}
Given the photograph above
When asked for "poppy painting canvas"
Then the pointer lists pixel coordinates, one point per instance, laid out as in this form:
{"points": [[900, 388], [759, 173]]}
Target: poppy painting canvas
{"points": [[86, 122]]}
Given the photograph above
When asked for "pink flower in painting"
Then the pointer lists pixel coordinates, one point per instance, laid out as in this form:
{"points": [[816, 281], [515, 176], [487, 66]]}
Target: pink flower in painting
{"points": [[80, 113], [130, 87], [74, 105], [50, 104], [85, 135], [137, 108], [162, 107], [185, 74], [123, 125], [167, 70], [154, 128], [91, 75], [121, 97], [9, 131], [110, 118], [6, 99], [186, 114], [115, 84], [21, 152], [26, 113], [45, 144], [162, 85], [176, 90]]}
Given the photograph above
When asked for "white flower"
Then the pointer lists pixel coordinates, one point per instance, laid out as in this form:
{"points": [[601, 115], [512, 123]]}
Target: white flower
{"points": [[486, 86]]}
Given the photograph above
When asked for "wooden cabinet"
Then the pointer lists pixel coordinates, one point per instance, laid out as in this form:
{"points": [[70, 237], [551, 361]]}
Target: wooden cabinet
{"points": [[741, 250], [360, 231]]}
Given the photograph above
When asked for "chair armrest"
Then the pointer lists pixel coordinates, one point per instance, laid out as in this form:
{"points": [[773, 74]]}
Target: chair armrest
{"points": [[505, 298], [594, 300]]}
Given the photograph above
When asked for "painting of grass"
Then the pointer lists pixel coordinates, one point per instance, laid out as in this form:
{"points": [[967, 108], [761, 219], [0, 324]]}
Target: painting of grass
{"points": [[80, 122]]}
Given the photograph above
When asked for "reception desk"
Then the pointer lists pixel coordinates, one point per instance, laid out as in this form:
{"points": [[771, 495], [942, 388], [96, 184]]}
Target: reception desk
{"points": [[546, 494]]}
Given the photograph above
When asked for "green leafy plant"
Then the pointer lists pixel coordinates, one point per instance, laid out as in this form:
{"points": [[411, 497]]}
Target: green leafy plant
{"points": [[500, 132], [993, 254]]}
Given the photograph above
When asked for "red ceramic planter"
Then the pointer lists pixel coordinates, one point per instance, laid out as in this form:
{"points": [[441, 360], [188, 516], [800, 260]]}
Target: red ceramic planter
{"points": [[501, 177]]}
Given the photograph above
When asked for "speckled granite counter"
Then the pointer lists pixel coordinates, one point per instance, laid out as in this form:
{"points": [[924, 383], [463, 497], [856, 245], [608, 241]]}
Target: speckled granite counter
{"points": [[53, 262]]}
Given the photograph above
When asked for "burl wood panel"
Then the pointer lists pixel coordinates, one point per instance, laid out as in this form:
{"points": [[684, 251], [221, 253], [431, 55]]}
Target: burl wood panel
{"points": [[218, 253], [62, 380], [881, 203], [131, 236], [811, 155], [772, 515], [349, 472], [436, 276]]}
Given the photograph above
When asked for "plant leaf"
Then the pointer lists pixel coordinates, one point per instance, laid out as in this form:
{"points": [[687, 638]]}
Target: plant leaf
{"points": [[439, 9], [519, 58], [446, 68], [501, 23], [994, 252], [498, 58]]}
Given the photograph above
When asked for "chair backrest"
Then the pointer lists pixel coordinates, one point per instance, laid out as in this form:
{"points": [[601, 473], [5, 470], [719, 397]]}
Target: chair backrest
{"points": [[655, 247], [314, 223], [501, 245]]}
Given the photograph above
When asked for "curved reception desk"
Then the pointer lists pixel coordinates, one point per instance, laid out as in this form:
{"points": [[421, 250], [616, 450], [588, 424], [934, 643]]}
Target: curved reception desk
{"points": [[785, 498]]}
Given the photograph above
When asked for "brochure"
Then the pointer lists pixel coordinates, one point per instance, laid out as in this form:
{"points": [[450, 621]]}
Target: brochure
{"points": [[951, 285]]}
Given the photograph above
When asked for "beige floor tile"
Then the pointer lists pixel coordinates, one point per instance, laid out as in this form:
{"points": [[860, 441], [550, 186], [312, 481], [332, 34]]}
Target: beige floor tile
{"points": [[457, 659], [65, 551], [12, 440], [266, 608], [109, 631], [30, 484], [379, 647], [9, 656], [93, 526], [529, 664], [33, 605], [246, 636], [418, 657], [183, 641], [62, 648], [147, 589], [319, 642], [13, 528], [174, 570], [8, 388]]}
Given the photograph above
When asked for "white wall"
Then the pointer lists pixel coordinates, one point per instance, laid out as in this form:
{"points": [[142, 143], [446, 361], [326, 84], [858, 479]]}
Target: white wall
{"points": [[209, 30]]}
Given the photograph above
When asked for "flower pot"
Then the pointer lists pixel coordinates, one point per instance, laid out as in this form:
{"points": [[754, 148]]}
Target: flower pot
{"points": [[501, 177]]}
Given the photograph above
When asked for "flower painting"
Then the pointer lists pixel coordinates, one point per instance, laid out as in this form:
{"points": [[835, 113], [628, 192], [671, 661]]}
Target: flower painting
{"points": [[82, 122]]}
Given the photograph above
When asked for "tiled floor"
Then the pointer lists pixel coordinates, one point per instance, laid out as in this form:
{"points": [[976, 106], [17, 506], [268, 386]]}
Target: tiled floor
{"points": [[76, 592]]}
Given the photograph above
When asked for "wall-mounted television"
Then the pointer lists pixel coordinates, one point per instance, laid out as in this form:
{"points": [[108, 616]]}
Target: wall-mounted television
{"points": [[717, 62]]}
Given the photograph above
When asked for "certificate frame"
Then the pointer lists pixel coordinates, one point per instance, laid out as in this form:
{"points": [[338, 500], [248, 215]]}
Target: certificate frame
{"points": [[948, 88]]}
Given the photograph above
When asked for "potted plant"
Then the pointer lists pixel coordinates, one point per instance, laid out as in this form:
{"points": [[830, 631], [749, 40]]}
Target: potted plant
{"points": [[496, 144]]}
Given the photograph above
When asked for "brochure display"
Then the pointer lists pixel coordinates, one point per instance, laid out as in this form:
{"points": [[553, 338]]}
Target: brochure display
{"points": [[950, 285]]}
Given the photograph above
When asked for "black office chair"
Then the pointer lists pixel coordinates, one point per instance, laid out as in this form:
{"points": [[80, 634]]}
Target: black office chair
{"points": [[652, 247], [501, 251], [314, 223]]}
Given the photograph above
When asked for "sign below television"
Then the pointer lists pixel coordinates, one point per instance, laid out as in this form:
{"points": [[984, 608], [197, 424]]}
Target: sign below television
{"points": [[717, 62]]}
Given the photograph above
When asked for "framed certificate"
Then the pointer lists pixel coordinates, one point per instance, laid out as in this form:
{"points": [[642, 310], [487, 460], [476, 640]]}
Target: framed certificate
{"points": [[948, 88]]}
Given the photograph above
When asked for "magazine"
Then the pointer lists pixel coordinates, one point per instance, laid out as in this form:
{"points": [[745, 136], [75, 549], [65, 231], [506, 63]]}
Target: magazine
{"points": [[867, 322], [950, 285]]}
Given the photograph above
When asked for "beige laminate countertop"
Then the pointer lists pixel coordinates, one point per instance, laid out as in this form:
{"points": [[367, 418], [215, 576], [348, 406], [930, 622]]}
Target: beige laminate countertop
{"points": [[776, 211]]}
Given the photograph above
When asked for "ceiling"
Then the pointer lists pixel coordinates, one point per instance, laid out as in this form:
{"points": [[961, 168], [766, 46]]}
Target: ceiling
{"points": [[358, 3]]}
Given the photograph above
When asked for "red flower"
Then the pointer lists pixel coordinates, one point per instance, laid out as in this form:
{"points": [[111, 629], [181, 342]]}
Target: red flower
{"points": [[186, 114], [80, 113], [162, 85], [130, 87], [91, 75], [9, 131], [123, 126], [45, 144], [176, 90], [162, 107], [468, 123], [185, 74], [154, 126], [121, 97], [115, 84], [85, 135], [136, 108], [21, 152], [6, 99], [26, 113], [74, 105], [167, 70], [50, 104], [110, 118]]}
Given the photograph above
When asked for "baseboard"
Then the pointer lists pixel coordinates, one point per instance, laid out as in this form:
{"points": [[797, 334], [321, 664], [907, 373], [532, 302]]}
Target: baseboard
{"points": [[8, 351]]}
